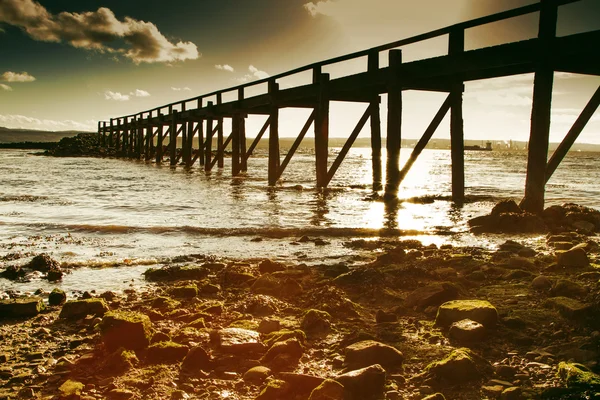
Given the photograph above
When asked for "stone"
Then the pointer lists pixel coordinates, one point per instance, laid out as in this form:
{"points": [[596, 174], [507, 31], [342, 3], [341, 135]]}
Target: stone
{"points": [[269, 266], [268, 325], [506, 206], [369, 352], [275, 389], [382, 317], [21, 308], [184, 292], [267, 284], [175, 272], [458, 367], [291, 347], [435, 396], [76, 309], [506, 371], [128, 329], [365, 383], [467, 331], [541, 283], [576, 257], [13, 272], [71, 388], [120, 394], [119, 361], [328, 390], [166, 353], [197, 359], [57, 297], [432, 295], [301, 383], [567, 288], [477, 310], [43, 263], [282, 335], [578, 376], [257, 374], [238, 340], [512, 393], [316, 323], [570, 308]]}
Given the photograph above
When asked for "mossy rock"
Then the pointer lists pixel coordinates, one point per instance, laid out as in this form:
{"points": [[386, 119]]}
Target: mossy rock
{"points": [[166, 353], [197, 323], [71, 388], [184, 292], [212, 307], [316, 323], [28, 307], [245, 324], [274, 390], [128, 329], [162, 302], [57, 297], [120, 361], [458, 367], [174, 273], [282, 335], [578, 376], [77, 309], [477, 310]]}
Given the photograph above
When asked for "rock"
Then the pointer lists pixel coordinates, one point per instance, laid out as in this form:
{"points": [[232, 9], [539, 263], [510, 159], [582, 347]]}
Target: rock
{"points": [[120, 361], [269, 266], [570, 308], [541, 283], [477, 310], [316, 323], [458, 367], [369, 352], [301, 383], [567, 288], [196, 359], [71, 388], [13, 272], [576, 257], [57, 297], [128, 329], [467, 331], [237, 341], [175, 272], [267, 284], [43, 263], [21, 308], [432, 295], [120, 394], [291, 347], [257, 374], [365, 383], [382, 317], [584, 226], [512, 393], [268, 325], [435, 396], [166, 353], [506, 371], [328, 390], [282, 335], [76, 309], [578, 376], [184, 292], [275, 390], [506, 206]]}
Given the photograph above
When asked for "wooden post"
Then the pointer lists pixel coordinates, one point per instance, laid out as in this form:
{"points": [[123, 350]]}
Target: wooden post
{"points": [[173, 139], [375, 120], [394, 126], [539, 136], [201, 144], [190, 143], [132, 135], [140, 141], [220, 148], [209, 137], [322, 131], [456, 46], [273, 134], [184, 140], [159, 140], [242, 133], [118, 138], [235, 143], [111, 133], [104, 133], [296, 144]]}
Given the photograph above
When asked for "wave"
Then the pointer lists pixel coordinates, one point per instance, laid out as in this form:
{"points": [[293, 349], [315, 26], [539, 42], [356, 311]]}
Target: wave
{"points": [[23, 198]]}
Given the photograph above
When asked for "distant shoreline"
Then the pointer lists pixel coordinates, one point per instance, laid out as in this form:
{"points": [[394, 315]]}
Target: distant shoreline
{"points": [[29, 145]]}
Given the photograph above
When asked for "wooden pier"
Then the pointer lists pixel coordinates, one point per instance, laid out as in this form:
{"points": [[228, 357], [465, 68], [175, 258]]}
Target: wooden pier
{"points": [[151, 135]]}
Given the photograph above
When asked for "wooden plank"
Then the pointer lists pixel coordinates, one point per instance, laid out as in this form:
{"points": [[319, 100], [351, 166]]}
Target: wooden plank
{"points": [[173, 140], [208, 144], [296, 144], [338, 161], [394, 127], [322, 130], [375, 121], [456, 46], [235, 146], [273, 134], [159, 144]]}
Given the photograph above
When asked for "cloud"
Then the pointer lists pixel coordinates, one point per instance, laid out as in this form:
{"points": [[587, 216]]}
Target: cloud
{"points": [[224, 67], [96, 30], [9, 76], [140, 93], [110, 95], [178, 89], [5, 87], [16, 121], [255, 74]]}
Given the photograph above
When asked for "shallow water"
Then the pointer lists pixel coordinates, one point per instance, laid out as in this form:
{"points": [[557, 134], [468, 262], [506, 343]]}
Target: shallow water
{"points": [[96, 213]]}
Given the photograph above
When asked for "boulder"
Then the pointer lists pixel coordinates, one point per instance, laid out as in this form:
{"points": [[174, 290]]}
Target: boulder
{"points": [[541, 283], [567, 288], [467, 331], [238, 341], [128, 329], [316, 323], [19, 308], [575, 257], [184, 292], [506, 206], [275, 389], [57, 297], [328, 390], [477, 310], [13, 272], [269, 266], [570, 308], [458, 367], [578, 376], [43, 263], [175, 272], [432, 295], [290, 347], [382, 317], [196, 359], [166, 353], [369, 352], [76, 309], [301, 383], [365, 383], [267, 284], [257, 374], [71, 388], [268, 325]]}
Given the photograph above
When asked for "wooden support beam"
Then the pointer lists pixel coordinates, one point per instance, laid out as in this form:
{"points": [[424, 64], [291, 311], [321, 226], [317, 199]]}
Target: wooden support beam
{"points": [[184, 141], [273, 134], [539, 138], [140, 139], [564, 147], [394, 126], [111, 133], [322, 130], [159, 141], [235, 146], [223, 146], [435, 123], [220, 148], [190, 143], [456, 47], [173, 140], [338, 161], [375, 120], [242, 135], [258, 137], [209, 137], [149, 141], [296, 144], [201, 145]]}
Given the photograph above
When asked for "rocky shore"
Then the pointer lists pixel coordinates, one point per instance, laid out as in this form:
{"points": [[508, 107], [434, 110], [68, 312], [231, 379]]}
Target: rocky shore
{"points": [[414, 322]]}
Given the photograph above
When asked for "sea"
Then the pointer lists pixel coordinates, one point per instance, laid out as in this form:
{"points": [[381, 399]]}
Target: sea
{"points": [[108, 220]]}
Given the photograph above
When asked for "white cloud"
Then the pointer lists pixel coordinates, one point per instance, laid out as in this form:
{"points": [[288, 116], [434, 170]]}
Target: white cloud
{"points": [[16, 121], [178, 89], [9, 76], [255, 74], [110, 95], [224, 67], [96, 30], [5, 87], [140, 93]]}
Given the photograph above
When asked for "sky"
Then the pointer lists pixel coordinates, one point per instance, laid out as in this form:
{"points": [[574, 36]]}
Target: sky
{"points": [[67, 64]]}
